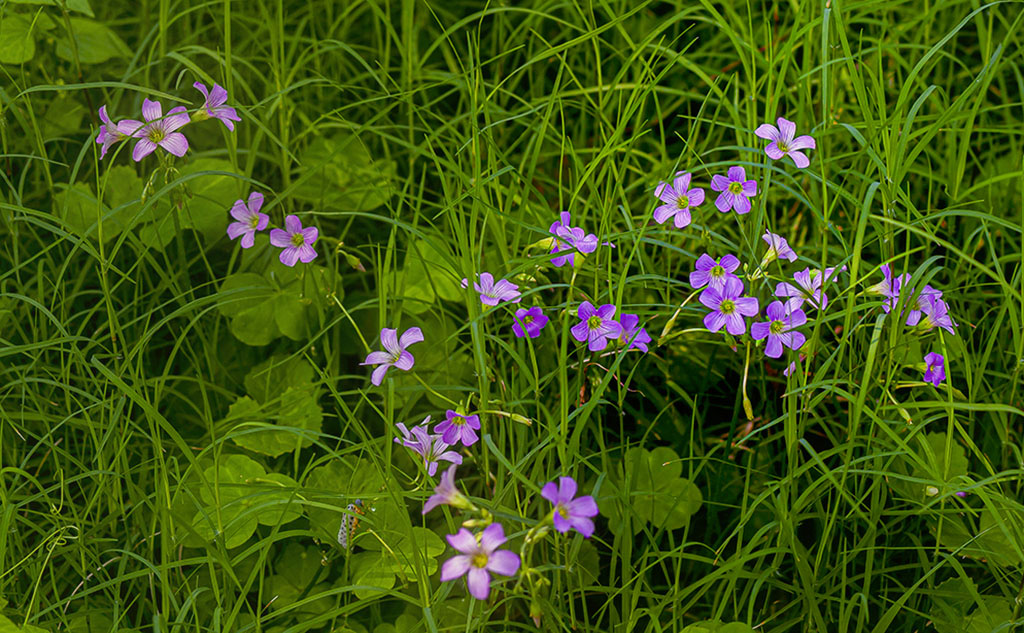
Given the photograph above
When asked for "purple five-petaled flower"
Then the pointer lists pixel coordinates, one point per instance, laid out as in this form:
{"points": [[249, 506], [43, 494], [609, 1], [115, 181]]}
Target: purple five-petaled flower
{"points": [[158, 130], [596, 325], [678, 199], [889, 288], [529, 322], [934, 368], [711, 273], [728, 307], [478, 557], [809, 287], [936, 314], [735, 190], [213, 106], [778, 248], [569, 238], [109, 133], [459, 428], [779, 329], [632, 334], [570, 511], [492, 293], [394, 354], [296, 241], [430, 446], [249, 219], [923, 301], [783, 142], [446, 493]]}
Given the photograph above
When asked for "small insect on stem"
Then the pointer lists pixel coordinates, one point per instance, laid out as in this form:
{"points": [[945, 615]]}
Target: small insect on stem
{"points": [[349, 523]]}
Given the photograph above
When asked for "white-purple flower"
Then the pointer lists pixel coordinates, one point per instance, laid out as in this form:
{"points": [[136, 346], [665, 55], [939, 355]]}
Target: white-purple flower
{"points": [[570, 511], [569, 238], [779, 329], [736, 190], [109, 133], [296, 241], [478, 557], [429, 446], [923, 301], [713, 274], [249, 219], [213, 106], [678, 199], [596, 326], [809, 287], [889, 287], [529, 322], [446, 493], [778, 248], [492, 293], [459, 428], [158, 130], [936, 314], [783, 142], [395, 353], [934, 368], [632, 334], [728, 307]]}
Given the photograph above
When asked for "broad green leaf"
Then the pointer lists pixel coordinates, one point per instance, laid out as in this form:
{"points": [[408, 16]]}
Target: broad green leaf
{"points": [[229, 498], [17, 43], [332, 487], [339, 173], [425, 277], [371, 570], [988, 542], [296, 569], [211, 197], [6, 626], [296, 409], [96, 43], [423, 544], [272, 377], [78, 207], [278, 497], [994, 614], [82, 6], [63, 117], [650, 486], [951, 600], [240, 292]]}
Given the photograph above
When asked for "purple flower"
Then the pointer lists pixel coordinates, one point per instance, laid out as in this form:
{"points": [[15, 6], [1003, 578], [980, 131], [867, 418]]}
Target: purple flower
{"points": [[783, 143], [447, 494], [735, 190], [491, 294], [889, 288], [728, 308], [934, 368], [458, 428], [632, 334], [778, 248], [429, 445], [213, 107], [808, 288], [569, 238], [249, 219], [395, 354], [296, 241], [109, 133], [713, 274], [936, 314], [529, 322], [596, 326], [570, 512], [778, 329], [678, 199], [479, 556], [920, 303], [158, 130]]}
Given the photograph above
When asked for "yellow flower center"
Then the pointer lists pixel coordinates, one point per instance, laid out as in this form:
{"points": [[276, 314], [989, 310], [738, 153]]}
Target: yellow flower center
{"points": [[298, 239], [479, 560], [254, 221], [736, 187], [727, 307], [156, 134], [717, 272], [776, 327], [594, 322]]}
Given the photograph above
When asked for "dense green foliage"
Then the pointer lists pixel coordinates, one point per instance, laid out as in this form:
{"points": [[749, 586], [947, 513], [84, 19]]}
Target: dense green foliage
{"points": [[183, 423]]}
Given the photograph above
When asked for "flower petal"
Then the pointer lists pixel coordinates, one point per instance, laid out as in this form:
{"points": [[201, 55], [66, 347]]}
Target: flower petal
{"points": [[737, 174], [405, 360], [799, 158], [151, 110], [566, 489], [410, 336], [280, 238], [376, 358], [750, 188], [696, 197], [665, 193], [734, 324], [377, 376], [583, 507], [760, 330], [455, 567], [682, 219], [664, 212], [719, 182], [143, 149], [463, 541], [742, 205], [773, 151], [550, 492], [724, 201], [580, 331], [492, 537], [503, 562], [714, 321], [389, 339], [681, 182], [175, 143], [767, 131], [255, 201], [292, 224], [803, 142], [787, 129], [289, 256], [774, 347], [176, 118], [729, 263], [583, 525], [479, 583]]}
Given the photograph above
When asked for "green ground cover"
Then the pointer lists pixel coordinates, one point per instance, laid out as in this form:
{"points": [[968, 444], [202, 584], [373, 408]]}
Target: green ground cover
{"points": [[197, 431]]}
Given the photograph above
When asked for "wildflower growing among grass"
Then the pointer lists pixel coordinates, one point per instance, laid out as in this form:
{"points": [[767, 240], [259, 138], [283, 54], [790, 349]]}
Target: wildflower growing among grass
{"points": [[783, 142], [158, 131], [478, 557], [934, 368], [596, 325], [778, 248], [109, 133], [713, 274], [491, 293], [249, 219], [923, 301], [889, 287], [678, 199], [570, 511], [779, 329], [296, 241], [736, 190], [394, 354], [529, 322], [429, 446], [459, 428], [447, 494], [568, 238], [213, 106], [728, 307], [808, 287], [632, 334], [936, 314]]}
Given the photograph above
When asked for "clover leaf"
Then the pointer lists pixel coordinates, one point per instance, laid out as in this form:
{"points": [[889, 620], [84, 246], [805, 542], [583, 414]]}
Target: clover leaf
{"points": [[647, 487]]}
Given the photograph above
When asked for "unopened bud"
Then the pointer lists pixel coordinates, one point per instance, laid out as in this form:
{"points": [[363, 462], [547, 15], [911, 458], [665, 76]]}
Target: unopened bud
{"points": [[536, 612]]}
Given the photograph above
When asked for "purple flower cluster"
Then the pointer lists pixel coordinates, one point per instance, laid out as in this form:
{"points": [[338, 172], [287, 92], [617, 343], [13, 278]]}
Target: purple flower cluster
{"points": [[924, 308], [598, 326], [430, 446]]}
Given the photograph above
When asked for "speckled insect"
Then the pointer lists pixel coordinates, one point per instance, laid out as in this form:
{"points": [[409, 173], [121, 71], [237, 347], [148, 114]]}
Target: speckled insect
{"points": [[350, 522]]}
